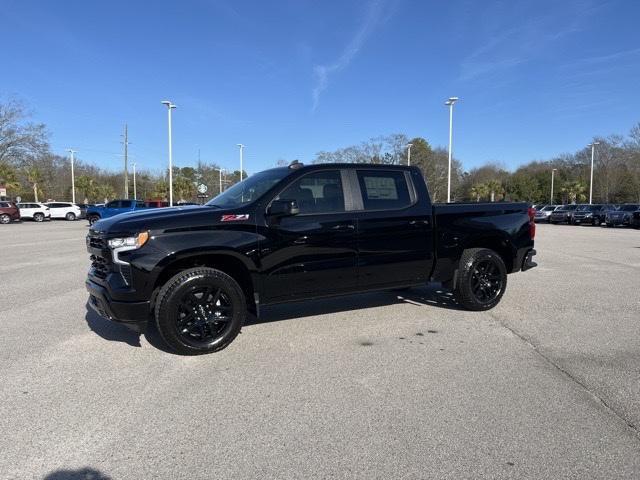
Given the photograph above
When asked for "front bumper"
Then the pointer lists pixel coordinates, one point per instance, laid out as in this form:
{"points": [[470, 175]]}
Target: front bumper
{"points": [[134, 315]]}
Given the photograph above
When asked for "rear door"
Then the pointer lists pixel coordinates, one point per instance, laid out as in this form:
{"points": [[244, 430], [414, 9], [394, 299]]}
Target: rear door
{"points": [[312, 253], [394, 228]]}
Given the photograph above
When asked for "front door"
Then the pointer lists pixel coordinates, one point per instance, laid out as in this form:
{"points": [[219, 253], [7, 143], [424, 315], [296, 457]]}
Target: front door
{"points": [[312, 253]]}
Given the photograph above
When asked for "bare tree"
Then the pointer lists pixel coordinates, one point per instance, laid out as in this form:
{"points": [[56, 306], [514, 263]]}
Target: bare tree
{"points": [[19, 138]]}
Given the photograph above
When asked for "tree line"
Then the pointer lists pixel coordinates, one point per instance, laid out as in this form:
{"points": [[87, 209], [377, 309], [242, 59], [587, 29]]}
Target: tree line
{"points": [[29, 169]]}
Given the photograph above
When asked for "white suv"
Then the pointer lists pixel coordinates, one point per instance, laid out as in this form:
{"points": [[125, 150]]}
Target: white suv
{"points": [[35, 211], [68, 211]]}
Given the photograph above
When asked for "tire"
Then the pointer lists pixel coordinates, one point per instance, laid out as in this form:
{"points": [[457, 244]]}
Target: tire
{"points": [[596, 222], [93, 219], [482, 279], [70, 216], [38, 217], [201, 333], [5, 219]]}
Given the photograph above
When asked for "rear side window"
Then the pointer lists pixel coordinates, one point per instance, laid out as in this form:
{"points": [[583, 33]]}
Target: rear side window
{"points": [[125, 204], [4, 205], [384, 190]]}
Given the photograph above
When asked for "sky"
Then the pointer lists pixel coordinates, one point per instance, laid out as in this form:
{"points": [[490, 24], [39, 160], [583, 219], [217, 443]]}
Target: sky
{"points": [[535, 78]]}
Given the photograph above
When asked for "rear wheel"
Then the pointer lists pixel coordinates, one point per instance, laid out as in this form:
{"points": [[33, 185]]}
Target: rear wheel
{"points": [[200, 310], [38, 217], [93, 219], [70, 216], [4, 219], [482, 279]]}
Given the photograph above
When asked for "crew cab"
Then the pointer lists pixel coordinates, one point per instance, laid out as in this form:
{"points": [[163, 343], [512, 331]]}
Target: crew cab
{"points": [[115, 207], [295, 233]]}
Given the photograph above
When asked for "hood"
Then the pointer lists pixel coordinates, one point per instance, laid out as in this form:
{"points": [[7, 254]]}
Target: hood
{"points": [[160, 219]]}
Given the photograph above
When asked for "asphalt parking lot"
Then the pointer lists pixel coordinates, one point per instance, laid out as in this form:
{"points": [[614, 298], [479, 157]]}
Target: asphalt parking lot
{"points": [[382, 385]]}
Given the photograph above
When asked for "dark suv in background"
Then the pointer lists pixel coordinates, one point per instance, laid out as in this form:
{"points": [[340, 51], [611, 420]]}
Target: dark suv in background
{"points": [[622, 216], [591, 214], [8, 212], [563, 214]]}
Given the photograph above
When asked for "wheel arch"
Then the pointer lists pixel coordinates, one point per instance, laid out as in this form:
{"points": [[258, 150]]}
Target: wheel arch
{"points": [[226, 262]]}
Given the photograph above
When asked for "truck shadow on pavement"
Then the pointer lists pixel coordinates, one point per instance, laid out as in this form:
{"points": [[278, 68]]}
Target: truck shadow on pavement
{"points": [[432, 295], [86, 473]]}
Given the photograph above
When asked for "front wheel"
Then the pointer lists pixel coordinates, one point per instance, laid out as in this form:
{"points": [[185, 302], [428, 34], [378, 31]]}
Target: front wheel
{"points": [[70, 216], [482, 279], [93, 219], [200, 310]]}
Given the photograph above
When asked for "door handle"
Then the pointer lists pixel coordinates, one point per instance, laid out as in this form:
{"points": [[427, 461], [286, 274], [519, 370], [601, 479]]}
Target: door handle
{"points": [[344, 226], [417, 223]]}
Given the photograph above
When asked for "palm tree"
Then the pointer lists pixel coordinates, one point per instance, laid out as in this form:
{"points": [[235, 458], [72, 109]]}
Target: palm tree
{"points": [[183, 188], [34, 177], [495, 188], [87, 186], [479, 191], [575, 191], [104, 192], [8, 176]]}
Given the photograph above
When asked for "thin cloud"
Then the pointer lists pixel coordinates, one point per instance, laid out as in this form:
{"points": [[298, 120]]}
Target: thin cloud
{"points": [[322, 73]]}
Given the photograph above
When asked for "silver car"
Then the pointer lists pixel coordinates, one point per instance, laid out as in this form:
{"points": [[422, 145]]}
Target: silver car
{"points": [[544, 213]]}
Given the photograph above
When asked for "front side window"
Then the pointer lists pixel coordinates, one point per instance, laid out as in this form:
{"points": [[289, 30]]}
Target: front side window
{"points": [[114, 204], [249, 190], [384, 190], [319, 192], [125, 204]]}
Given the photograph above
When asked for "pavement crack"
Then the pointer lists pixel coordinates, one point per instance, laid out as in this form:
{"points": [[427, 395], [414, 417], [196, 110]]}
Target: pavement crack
{"points": [[632, 427]]}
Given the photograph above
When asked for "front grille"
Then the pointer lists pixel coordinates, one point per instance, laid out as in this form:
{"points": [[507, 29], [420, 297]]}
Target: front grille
{"points": [[97, 242], [100, 266]]}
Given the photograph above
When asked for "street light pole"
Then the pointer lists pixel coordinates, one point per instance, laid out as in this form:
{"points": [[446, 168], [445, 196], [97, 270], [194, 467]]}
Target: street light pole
{"points": [[73, 179], [593, 152], [553, 171], [409, 145], [170, 106], [241, 148], [135, 192], [450, 103]]}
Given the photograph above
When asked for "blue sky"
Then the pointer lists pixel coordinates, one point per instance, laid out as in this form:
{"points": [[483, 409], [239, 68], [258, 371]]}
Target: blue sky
{"points": [[290, 78]]}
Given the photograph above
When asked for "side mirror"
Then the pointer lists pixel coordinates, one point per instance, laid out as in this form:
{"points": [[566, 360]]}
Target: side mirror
{"points": [[283, 208]]}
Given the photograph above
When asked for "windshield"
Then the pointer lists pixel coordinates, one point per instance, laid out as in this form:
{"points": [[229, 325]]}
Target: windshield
{"points": [[582, 208], [595, 208], [248, 190], [629, 208], [550, 208]]}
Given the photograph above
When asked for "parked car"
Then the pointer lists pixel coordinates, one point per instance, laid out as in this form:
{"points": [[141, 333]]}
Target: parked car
{"points": [[83, 209], [8, 212], [156, 204], [543, 214], [562, 214], [68, 211], [622, 216], [35, 211], [591, 214], [294, 233], [112, 208]]}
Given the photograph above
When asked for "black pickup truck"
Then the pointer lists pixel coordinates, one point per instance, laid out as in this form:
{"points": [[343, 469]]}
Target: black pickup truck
{"points": [[295, 233]]}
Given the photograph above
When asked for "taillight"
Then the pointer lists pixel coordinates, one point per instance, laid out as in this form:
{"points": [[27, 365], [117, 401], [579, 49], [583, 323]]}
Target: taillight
{"points": [[532, 223]]}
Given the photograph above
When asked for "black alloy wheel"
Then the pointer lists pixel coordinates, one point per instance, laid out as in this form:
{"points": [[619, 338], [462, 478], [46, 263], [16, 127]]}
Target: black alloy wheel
{"points": [[204, 313], [482, 279], [200, 310]]}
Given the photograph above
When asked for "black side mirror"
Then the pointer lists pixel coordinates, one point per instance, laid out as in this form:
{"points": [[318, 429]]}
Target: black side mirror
{"points": [[283, 208]]}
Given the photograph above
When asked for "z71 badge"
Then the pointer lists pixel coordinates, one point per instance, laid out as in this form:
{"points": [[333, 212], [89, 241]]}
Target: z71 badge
{"points": [[234, 218]]}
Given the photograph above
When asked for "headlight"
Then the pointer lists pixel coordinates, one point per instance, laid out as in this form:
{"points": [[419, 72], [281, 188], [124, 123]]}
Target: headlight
{"points": [[129, 243]]}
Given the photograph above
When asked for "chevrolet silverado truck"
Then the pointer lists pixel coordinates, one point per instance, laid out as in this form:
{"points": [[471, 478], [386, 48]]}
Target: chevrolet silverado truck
{"points": [[115, 207], [296, 233]]}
